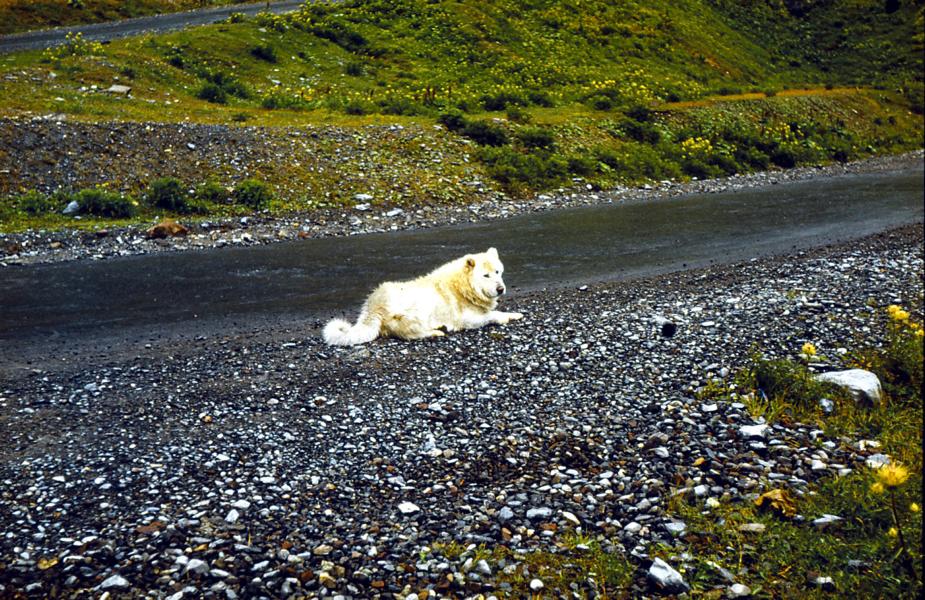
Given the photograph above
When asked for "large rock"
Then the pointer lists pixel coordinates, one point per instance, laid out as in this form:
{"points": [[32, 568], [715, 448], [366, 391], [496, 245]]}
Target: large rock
{"points": [[666, 579], [863, 385]]}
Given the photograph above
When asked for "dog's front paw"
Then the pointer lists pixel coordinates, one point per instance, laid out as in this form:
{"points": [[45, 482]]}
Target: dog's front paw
{"points": [[506, 318]]}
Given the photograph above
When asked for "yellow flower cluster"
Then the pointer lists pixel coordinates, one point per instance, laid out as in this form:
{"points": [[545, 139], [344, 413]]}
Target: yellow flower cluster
{"points": [[892, 475], [696, 146], [897, 313], [809, 349], [74, 45], [902, 317]]}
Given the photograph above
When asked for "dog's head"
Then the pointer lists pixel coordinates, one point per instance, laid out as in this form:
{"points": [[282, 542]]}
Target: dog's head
{"points": [[485, 271]]}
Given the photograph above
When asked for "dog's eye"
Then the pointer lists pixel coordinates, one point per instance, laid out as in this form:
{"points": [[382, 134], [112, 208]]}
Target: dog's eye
{"points": [[486, 275]]}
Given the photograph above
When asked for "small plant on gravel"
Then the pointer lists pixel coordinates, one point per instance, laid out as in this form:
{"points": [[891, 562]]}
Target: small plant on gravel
{"points": [[212, 192], [252, 193], [167, 193], [37, 203], [899, 363], [103, 203]]}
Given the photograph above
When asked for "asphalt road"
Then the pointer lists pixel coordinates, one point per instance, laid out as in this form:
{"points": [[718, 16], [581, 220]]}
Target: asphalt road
{"points": [[224, 289], [37, 40]]}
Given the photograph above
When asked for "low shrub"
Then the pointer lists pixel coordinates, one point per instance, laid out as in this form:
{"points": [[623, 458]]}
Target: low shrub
{"points": [[167, 193], [453, 120], [540, 99], [502, 100], [753, 157], [252, 193], [213, 93], [400, 105], [641, 131], [524, 170], [518, 115], [277, 99], [536, 137], [355, 69], [37, 203], [103, 203], [581, 165], [358, 107], [486, 133], [212, 192], [265, 52], [636, 162]]}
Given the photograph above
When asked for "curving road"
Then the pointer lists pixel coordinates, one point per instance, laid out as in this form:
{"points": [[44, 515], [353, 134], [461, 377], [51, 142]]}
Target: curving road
{"points": [[37, 40], [219, 290]]}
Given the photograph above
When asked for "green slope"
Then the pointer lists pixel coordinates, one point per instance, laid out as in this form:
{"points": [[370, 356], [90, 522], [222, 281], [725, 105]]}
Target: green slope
{"points": [[552, 92]]}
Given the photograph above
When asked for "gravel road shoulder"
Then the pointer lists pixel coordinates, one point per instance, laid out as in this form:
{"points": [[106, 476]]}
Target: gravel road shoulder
{"points": [[481, 203], [269, 465]]}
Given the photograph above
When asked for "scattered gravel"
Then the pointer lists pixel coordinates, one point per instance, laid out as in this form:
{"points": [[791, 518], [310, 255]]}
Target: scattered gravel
{"points": [[351, 469], [325, 163]]}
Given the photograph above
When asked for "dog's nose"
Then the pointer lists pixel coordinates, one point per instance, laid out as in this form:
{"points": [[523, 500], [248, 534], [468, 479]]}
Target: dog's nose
{"points": [[500, 289]]}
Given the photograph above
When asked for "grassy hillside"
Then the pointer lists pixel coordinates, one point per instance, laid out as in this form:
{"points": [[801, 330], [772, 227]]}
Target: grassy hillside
{"points": [[26, 15], [547, 92]]}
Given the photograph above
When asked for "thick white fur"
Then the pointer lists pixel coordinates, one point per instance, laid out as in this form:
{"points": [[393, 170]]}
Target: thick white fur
{"points": [[461, 294]]}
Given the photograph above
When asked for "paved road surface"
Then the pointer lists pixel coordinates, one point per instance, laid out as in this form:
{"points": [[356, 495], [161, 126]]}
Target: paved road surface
{"points": [[34, 40], [222, 289]]}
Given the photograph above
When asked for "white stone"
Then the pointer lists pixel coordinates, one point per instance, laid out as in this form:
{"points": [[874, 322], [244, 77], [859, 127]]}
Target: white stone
{"points": [[875, 461], [666, 578], [539, 513], [570, 517], [825, 520], [753, 431], [241, 504], [738, 590], [863, 385], [118, 89], [407, 508], [195, 565], [116, 581], [232, 516], [536, 585], [632, 527], [676, 528]]}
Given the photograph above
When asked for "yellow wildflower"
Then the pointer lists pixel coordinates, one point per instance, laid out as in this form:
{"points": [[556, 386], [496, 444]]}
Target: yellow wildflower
{"points": [[914, 507], [892, 475], [892, 309], [809, 349], [900, 316], [893, 532], [877, 488]]}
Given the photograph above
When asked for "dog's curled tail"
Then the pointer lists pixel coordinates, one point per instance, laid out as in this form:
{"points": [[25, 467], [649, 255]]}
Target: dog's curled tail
{"points": [[341, 333]]}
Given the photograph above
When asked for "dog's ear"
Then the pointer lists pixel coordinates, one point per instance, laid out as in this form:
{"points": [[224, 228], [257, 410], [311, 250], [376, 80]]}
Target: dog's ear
{"points": [[470, 262], [492, 253]]}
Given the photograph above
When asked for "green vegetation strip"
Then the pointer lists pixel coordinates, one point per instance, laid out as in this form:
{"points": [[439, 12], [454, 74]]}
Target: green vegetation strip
{"points": [[548, 93]]}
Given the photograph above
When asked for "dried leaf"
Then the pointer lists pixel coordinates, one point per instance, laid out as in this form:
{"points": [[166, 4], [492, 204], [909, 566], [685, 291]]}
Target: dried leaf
{"points": [[151, 528], [47, 563], [779, 500]]}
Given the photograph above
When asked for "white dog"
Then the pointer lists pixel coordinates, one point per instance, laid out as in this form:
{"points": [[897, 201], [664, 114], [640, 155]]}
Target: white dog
{"points": [[461, 294]]}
